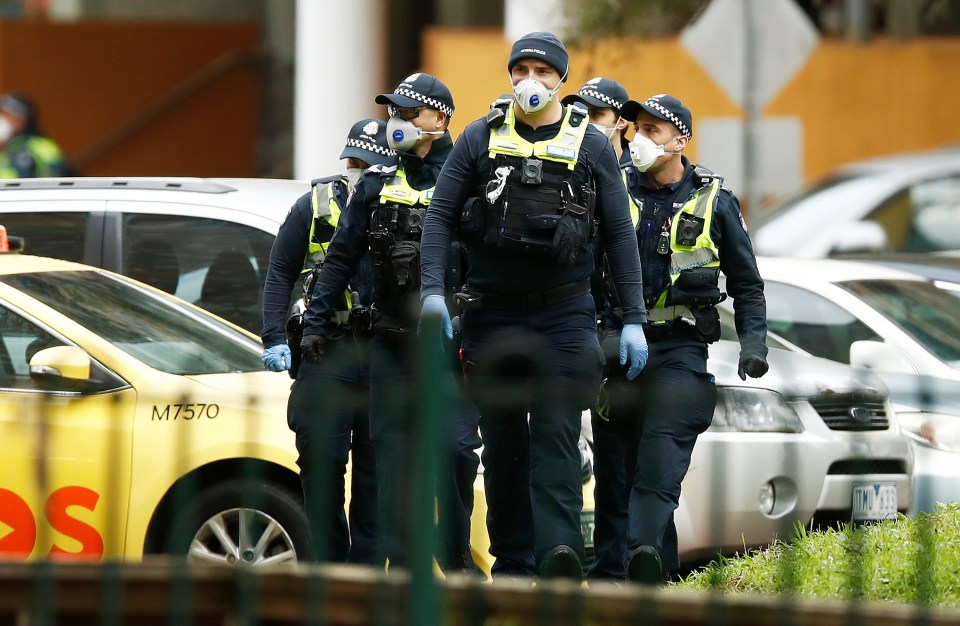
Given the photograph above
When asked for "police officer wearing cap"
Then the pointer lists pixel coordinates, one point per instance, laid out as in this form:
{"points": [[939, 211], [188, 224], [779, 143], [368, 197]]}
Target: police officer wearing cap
{"points": [[524, 187], [690, 230], [328, 427], [24, 151], [604, 99], [385, 217]]}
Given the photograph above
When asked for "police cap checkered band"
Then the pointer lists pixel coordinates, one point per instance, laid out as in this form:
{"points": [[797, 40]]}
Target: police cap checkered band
{"points": [[367, 141], [420, 89], [664, 107], [600, 92]]}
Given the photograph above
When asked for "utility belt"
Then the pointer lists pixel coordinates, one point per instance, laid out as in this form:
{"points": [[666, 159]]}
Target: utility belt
{"points": [[700, 323], [468, 299]]}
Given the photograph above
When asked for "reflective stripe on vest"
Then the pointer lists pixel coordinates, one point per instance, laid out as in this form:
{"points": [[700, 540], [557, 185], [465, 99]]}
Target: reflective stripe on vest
{"points": [[398, 190], [323, 200], [562, 148], [702, 254], [634, 207]]}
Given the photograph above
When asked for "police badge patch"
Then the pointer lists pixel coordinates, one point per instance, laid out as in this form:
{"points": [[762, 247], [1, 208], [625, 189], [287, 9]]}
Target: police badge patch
{"points": [[371, 128]]}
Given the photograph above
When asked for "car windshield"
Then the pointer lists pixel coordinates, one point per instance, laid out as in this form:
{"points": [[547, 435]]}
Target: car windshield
{"points": [[805, 215], [159, 331], [922, 309]]}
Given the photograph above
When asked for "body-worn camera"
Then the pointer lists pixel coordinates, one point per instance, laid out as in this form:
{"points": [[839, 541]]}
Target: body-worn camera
{"points": [[531, 171], [415, 221], [688, 229]]}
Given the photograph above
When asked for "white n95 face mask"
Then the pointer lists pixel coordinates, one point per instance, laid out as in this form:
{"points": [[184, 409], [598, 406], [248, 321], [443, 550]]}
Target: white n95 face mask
{"points": [[532, 95], [353, 175], [609, 131], [6, 130], [402, 135], [644, 152]]}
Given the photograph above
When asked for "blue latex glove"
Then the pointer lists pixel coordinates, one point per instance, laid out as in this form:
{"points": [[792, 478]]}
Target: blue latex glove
{"points": [[437, 305], [276, 358], [633, 346]]}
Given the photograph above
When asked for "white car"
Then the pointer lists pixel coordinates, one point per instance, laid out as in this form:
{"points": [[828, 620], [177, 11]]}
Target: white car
{"points": [[812, 441], [136, 226], [906, 203], [901, 326]]}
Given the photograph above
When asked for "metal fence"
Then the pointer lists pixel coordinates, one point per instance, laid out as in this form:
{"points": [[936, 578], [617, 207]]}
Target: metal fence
{"points": [[113, 519]]}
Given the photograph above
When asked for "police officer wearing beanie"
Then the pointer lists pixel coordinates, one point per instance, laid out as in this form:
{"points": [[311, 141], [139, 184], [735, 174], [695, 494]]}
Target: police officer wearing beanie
{"points": [[524, 187], [385, 217], [327, 408], [24, 151], [690, 230]]}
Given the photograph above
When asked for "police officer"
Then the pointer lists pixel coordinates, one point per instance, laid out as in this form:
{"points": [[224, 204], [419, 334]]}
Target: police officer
{"points": [[524, 187], [385, 216], [604, 99], [690, 230], [26, 153], [326, 408]]}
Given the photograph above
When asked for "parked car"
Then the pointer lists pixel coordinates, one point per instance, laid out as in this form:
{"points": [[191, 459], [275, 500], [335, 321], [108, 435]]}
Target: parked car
{"points": [[897, 324], [206, 241], [905, 203], [132, 422], [811, 442]]}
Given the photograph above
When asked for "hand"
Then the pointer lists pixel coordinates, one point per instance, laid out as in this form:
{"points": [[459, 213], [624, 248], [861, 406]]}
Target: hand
{"points": [[633, 345], [752, 364], [436, 305], [312, 348], [276, 358]]}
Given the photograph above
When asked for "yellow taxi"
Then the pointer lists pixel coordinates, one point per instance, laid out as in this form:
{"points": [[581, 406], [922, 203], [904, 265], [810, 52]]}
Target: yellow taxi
{"points": [[132, 422]]}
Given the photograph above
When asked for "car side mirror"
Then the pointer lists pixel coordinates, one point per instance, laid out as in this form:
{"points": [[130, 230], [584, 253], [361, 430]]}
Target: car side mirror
{"points": [[864, 236], [877, 355], [66, 362]]}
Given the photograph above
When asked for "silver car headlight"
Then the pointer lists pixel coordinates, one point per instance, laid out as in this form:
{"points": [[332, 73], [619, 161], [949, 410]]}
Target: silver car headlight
{"points": [[935, 430], [741, 409]]}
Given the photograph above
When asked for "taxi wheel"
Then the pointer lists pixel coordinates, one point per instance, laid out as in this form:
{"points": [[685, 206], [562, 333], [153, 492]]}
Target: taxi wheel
{"points": [[242, 522]]}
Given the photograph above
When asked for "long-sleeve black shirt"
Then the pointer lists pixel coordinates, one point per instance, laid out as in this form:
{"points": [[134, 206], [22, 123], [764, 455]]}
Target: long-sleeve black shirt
{"points": [[729, 234], [493, 270], [351, 242]]}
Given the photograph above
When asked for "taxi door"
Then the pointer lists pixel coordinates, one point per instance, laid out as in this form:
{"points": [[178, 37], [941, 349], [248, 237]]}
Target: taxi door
{"points": [[64, 453]]}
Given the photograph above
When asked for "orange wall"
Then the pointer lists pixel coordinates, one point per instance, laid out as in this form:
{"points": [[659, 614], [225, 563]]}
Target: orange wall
{"points": [[90, 77], [854, 102]]}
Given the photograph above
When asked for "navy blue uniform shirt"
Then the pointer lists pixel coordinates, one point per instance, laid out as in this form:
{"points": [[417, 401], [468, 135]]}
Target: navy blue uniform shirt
{"points": [[493, 270], [350, 243], [729, 234]]}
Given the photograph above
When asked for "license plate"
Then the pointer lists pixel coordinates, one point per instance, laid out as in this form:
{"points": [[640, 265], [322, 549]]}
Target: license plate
{"points": [[586, 527], [874, 501]]}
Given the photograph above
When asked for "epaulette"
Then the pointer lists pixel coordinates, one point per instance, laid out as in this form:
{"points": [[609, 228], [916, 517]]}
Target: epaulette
{"points": [[384, 171], [578, 113], [703, 176], [498, 111], [326, 179]]}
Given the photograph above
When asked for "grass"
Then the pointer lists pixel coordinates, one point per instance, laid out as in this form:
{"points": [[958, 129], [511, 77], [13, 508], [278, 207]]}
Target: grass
{"points": [[908, 559]]}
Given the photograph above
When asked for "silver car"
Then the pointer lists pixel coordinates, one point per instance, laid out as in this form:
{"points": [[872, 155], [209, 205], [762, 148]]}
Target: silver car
{"points": [[901, 326], [908, 203], [812, 441]]}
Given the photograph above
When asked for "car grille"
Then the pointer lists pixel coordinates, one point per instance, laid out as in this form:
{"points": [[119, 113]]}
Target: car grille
{"points": [[867, 466], [857, 416]]}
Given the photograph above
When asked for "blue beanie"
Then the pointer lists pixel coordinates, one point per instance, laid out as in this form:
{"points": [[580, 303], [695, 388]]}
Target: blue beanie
{"points": [[543, 46]]}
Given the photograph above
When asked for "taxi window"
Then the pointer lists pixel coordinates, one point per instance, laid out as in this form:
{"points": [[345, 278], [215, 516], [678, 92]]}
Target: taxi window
{"points": [[161, 332], [20, 339]]}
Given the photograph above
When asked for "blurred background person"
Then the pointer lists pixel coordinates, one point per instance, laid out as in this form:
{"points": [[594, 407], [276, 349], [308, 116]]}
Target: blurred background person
{"points": [[26, 152]]}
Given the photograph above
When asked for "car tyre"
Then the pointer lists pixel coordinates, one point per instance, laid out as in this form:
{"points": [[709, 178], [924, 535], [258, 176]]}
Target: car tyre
{"points": [[241, 522]]}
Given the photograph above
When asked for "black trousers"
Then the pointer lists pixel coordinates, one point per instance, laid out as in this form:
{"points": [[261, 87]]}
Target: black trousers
{"points": [[531, 374], [328, 411], [643, 453]]}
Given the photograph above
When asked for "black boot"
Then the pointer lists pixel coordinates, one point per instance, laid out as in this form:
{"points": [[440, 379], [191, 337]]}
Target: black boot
{"points": [[562, 562], [643, 566]]}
